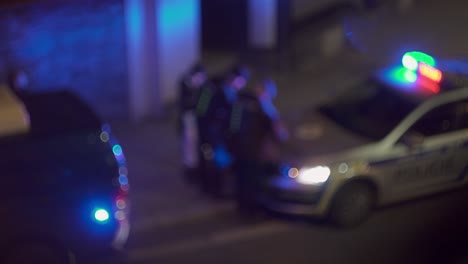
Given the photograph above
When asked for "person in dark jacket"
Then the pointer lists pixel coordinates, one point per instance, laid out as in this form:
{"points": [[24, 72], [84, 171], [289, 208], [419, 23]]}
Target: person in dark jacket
{"points": [[256, 126], [189, 93], [214, 111]]}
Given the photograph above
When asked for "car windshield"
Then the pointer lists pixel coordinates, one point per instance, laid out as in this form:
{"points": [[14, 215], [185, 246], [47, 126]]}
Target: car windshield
{"points": [[369, 109]]}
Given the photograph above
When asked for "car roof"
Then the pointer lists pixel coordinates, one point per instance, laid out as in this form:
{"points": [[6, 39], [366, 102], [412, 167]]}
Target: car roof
{"points": [[59, 112], [412, 91], [415, 90], [44, 113]]}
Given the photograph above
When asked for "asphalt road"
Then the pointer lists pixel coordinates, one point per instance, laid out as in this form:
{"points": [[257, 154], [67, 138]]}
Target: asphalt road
{"points": [[429, 230]]}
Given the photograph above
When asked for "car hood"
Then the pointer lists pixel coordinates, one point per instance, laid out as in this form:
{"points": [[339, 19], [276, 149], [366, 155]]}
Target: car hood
{"points": [[314, 136]]}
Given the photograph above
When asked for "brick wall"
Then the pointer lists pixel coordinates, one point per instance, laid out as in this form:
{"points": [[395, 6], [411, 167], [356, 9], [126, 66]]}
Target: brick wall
{"points": [[78, 44]]}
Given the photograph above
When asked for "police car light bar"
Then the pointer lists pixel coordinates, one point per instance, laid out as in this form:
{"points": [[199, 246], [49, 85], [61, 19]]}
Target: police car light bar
{"points": [[423, 64]]}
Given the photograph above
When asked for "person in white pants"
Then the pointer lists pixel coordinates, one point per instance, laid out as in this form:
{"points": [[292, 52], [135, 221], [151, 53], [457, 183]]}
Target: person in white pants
{"points": [[188, 129]]}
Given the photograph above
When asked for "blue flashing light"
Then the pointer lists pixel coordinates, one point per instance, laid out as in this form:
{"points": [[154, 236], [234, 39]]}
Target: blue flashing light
{"points": [[101, 215], [284, 169], [123, 180], [117, 149], [106, 128], [222, 157]]}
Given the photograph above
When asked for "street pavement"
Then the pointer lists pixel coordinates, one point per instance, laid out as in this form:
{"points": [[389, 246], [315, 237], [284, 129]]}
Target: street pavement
{"points": [[429, 230], [173, 223]]}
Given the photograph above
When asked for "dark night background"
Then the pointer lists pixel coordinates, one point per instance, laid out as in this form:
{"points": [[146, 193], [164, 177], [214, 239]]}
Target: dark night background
{"points": [[83, 46]]}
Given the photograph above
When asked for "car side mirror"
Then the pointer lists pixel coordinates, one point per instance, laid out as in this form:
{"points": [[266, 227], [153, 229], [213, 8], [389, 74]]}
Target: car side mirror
{"points": [[412, 140]]}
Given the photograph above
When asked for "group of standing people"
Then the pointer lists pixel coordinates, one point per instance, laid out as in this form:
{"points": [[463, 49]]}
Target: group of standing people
{"points": [[229, 129]]}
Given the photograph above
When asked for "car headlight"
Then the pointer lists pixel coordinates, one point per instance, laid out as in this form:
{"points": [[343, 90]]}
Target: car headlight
{"points": [[313, 176]]}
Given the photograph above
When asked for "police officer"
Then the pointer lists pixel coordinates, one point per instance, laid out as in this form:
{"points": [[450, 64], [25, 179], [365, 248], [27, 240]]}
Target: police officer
{"points": [[214, 111], [190, 87], [256, 126]]}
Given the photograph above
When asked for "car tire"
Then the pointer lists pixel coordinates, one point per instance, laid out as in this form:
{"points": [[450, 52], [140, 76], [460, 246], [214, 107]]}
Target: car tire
{"points": [[38, 253], [352, 205]]}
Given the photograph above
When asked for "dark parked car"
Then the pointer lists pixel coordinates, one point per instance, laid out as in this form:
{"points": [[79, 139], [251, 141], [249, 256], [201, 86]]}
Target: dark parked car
{"points": [[64, 179]]}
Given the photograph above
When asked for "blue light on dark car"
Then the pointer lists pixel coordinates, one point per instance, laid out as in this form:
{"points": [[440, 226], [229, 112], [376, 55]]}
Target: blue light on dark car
{"points": [[123, 180], [101, 215], [117, 149]]}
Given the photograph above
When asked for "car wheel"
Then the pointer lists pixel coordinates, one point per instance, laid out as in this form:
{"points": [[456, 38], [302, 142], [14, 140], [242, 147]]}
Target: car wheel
{"points": [[352, 205], [38, 253]]}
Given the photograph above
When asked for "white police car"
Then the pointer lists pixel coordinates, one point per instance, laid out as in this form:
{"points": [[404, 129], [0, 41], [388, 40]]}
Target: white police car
{"points": [[64, 181], [400, 135]]}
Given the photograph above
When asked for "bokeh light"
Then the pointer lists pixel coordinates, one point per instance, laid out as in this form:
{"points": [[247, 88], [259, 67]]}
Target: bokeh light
{"points": [[101, 215], [117, 149]]}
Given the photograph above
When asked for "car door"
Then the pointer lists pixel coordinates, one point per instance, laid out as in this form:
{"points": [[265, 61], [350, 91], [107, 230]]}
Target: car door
{"points": [[428, 153]]}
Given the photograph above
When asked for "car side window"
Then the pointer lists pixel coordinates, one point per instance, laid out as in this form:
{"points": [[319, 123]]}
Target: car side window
{"points": [[439, 120]]}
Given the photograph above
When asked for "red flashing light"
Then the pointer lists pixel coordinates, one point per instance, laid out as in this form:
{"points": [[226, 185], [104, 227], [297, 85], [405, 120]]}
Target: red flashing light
{"points": [[429, 85], [121, 203], [120, 207], [123, 190], [433, 88], [430, 72]]}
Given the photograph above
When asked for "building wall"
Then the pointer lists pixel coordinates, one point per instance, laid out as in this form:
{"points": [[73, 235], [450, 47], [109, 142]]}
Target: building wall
{"points": [[78, 45], [224, 24], [178, 42], [262, 23], [302, 9]]}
